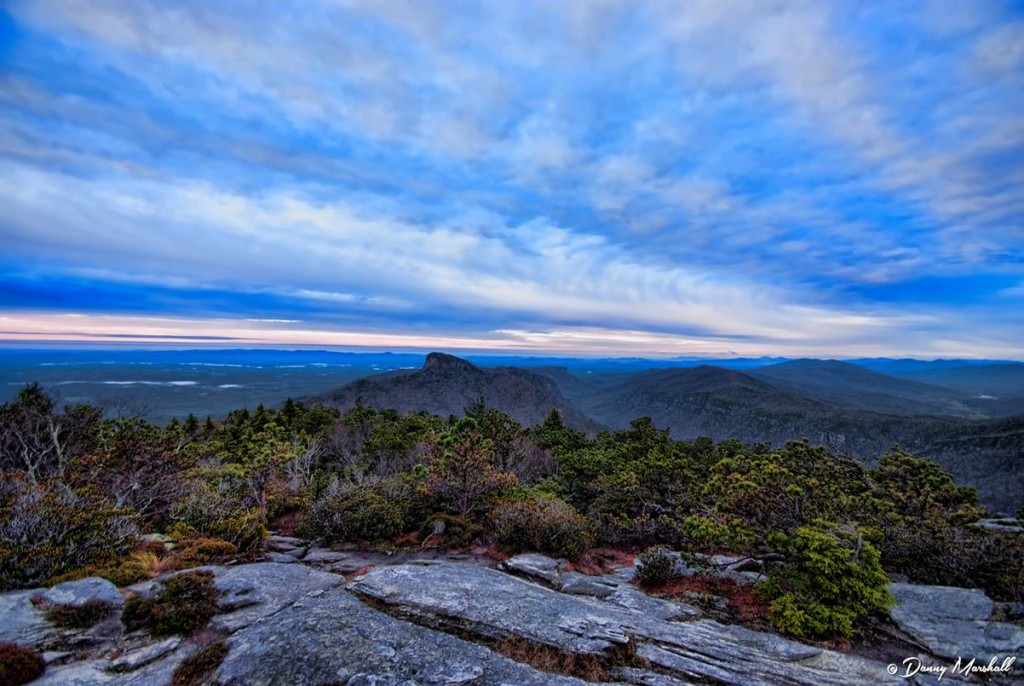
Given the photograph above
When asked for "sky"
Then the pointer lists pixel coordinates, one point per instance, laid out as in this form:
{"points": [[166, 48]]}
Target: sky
{"points": [[615, 178]]}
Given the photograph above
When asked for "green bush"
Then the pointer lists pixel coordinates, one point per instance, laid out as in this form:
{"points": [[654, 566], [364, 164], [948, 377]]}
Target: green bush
{"points": [[830, 580], [19, 664], [542, 524], [185, 605], [656, 566], [367, 514]]}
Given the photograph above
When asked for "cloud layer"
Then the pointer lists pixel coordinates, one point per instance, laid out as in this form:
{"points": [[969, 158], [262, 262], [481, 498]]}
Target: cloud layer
{"points": [[798, 178]]}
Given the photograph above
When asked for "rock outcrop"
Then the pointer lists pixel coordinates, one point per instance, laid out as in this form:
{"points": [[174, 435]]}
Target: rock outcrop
{"points": [[449, 622], [490, 606], [954, 622]]}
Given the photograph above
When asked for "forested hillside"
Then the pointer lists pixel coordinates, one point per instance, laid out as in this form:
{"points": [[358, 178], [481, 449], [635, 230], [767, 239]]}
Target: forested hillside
{"points": [[846, 408]]}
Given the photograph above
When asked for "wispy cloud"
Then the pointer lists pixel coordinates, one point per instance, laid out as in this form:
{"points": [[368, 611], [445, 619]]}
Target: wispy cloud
{"points": [[794, 178]]}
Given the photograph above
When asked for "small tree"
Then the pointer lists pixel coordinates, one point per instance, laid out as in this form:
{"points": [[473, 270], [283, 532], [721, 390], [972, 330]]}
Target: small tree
{"points": [[462, 470], [37, 439], [831, 579]]}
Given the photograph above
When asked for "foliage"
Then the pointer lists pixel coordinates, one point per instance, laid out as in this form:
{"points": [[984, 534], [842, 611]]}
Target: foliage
{"points": [[832, 578], [214, 507], [194, 669], [453, 531], [463, 469], [38, 440], [195, 552], [371, 513], [185, 604], [48, 529], [20, 664], [543, 524], [656, 566], [76, 489]]}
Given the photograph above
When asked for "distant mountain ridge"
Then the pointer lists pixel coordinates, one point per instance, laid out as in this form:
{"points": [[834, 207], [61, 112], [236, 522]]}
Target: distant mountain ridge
{"points": [[851, 386], [836, 404], [447, 385]]}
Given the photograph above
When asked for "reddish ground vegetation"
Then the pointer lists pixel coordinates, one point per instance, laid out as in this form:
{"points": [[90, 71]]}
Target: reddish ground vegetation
{"points": [[285, 524], [411, 538], [742, 604], [19, 664], [600, 561]]}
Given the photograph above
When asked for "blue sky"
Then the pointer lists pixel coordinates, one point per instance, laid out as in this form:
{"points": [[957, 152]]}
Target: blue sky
{"points": [[834, 179]]}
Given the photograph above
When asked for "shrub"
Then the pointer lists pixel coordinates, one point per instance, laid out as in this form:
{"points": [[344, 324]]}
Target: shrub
{"points": [[463, 470], [138, 566], [621, 512], [89, 613], [456, 532], [210, 512], [830, 581], [186, 604], [19, 664], [543, 524], [48, 529], [655, 567], [195, 552], [193, 670], [376, 513]]}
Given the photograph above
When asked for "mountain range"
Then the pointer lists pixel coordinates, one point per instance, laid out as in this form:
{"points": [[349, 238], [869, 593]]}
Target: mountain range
{"points": [[974, 426]]}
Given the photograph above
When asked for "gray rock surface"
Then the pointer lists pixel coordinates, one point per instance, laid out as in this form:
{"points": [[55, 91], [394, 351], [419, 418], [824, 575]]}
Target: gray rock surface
{"points": [[129, 662], [575, 583], [281, 558], [535, 566], [261, 589], [78, 593], [21, 622], [84, 673], [432, 622], [1006, 526], [954, 622], [489, 605], [320, 556], [337, 639]]}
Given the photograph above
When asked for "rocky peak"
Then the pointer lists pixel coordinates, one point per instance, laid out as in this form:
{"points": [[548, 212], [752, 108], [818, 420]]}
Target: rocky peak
{"points": [[442, 362]]}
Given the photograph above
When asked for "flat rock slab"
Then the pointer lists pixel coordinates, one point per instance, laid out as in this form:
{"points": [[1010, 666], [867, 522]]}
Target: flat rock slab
{"points": [[954, 622], [493, 605], [252, 591], [582, 584], [78, 593], [336, 639], [261, 589], [281, 558], [496, 605], [535, 566], [322, 556], [129, 662]]}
